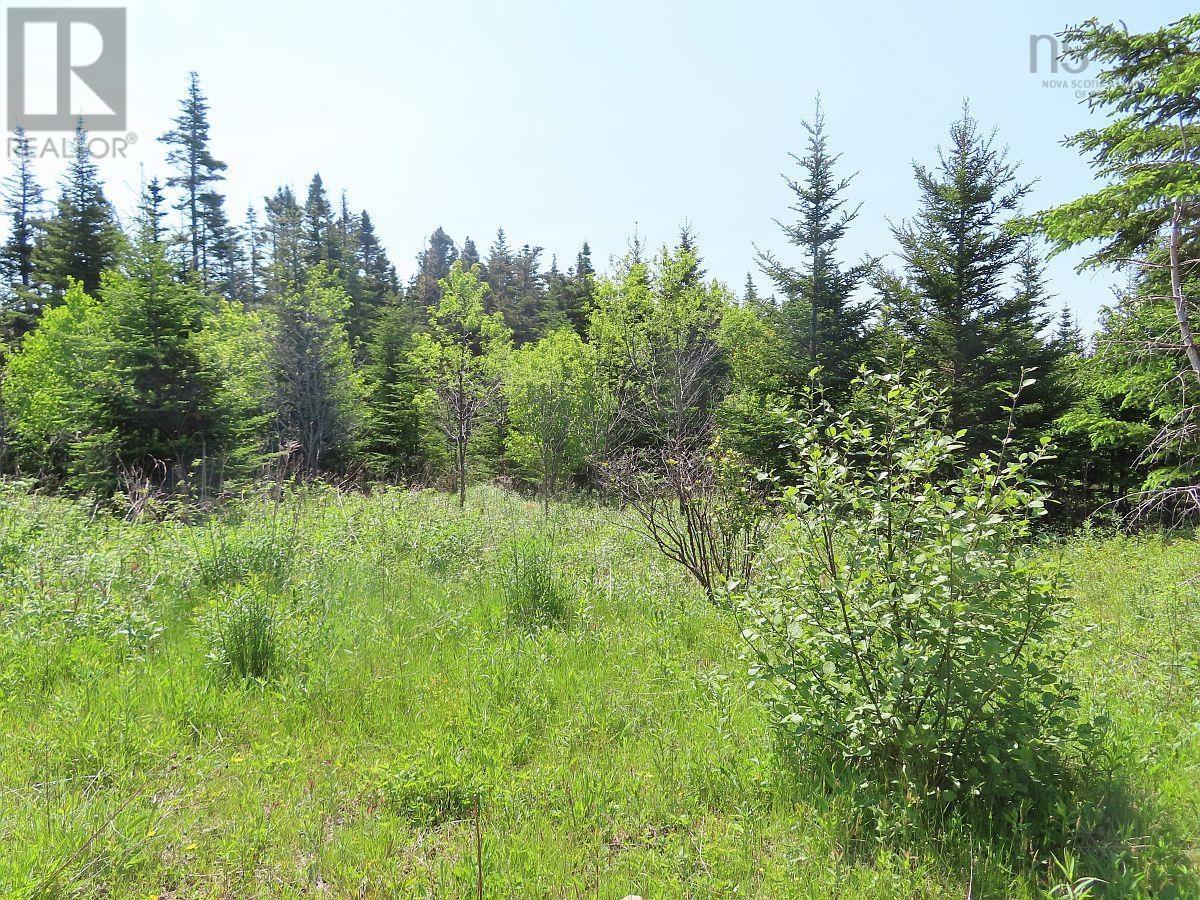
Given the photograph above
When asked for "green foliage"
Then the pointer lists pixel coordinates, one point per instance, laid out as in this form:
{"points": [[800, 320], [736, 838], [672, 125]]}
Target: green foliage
{"points": [[397, 696], [428, 795], [244, 644], [556, 411], [819, 322], [81, 239], [1147, 153], [535, 593], [317, 393], [905, 627], [461, 358], [152, 380], [656, 330], [393, 442], [956, 308]]}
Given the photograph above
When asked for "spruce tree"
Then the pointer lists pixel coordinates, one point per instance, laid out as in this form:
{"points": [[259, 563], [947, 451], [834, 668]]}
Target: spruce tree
{"points": [[499, 275], [23, 199], [285, 218], [470, 254], [162, 406], [82, 237], [392, 443], [196, 170], [819, 320], [433, 265], [319, 244], [958, 256]]}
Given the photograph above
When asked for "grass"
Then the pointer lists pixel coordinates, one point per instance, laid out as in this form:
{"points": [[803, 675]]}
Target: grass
{"points": [[615, 753]]}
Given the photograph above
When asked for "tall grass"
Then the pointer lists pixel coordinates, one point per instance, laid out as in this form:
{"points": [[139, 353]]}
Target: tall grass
{"points": [[622, 755]]}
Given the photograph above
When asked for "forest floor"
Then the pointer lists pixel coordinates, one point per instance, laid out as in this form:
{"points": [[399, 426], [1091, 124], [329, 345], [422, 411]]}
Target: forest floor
{"points": [[411, 720]]}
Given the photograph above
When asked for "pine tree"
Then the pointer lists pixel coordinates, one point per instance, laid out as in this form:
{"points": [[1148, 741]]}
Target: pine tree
{"points": [[196, 169], [528, 296], [958, 256], [1019, 351], [750, 292], [819, 321], [317, 394], [23, 198], [82, 237], [163, 407]]}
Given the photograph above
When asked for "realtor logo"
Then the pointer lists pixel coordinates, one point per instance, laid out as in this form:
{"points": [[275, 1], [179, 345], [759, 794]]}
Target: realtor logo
{"points": [[65, 63]]}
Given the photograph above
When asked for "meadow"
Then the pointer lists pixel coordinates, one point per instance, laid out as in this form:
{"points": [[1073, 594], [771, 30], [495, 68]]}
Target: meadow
{"points": [[380, 695]]}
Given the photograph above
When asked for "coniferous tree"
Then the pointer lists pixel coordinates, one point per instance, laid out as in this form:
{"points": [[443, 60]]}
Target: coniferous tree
{"points": [[317, 393], [1068, 336], [499, 275], [23, 198], [319, 240], [252, 254], [392, 441], [433, 265], [162, 403], [470, 254], [819, 321], [570, 296], [526, 302], [285, 220], [81, 239], [958, 256], [750, 292], [196, 171]]}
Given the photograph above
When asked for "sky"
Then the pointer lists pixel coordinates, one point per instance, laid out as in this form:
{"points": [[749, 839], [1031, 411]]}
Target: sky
{"points": [[566, 121]]}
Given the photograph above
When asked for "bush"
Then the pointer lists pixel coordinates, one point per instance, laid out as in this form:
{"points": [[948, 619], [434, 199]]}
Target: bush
{"points": [[245, 640], [535, 594], [904, 626]]}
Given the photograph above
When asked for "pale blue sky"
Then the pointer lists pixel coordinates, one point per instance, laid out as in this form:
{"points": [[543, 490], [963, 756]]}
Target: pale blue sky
{"points": [[567, 120]]}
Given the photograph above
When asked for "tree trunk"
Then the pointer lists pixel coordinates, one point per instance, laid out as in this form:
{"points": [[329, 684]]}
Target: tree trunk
{"points": [[1181, 310]]}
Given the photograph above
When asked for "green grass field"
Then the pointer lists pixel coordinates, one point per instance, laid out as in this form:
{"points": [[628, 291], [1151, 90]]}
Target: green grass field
{"points": [[613, 751]]}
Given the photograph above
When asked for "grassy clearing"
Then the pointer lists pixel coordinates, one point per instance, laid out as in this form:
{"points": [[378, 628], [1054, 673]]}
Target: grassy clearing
{"points": [[312, 697]]}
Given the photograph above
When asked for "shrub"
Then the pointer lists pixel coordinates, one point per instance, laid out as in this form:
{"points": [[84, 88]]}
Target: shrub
{"points": [[535, 594], [903, 625], [246, 637]]}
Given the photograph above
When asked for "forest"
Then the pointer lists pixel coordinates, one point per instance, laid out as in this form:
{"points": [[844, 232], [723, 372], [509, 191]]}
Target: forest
{"points": [[524, 577]]}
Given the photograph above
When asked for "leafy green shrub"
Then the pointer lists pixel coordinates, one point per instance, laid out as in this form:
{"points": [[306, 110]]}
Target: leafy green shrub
{"points": [[535, 594], [245, 640], [903, 626], [428, 795]]}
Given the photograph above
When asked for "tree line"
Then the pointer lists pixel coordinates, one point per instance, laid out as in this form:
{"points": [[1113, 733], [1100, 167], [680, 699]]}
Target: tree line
{"points": [[181, 350]]}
